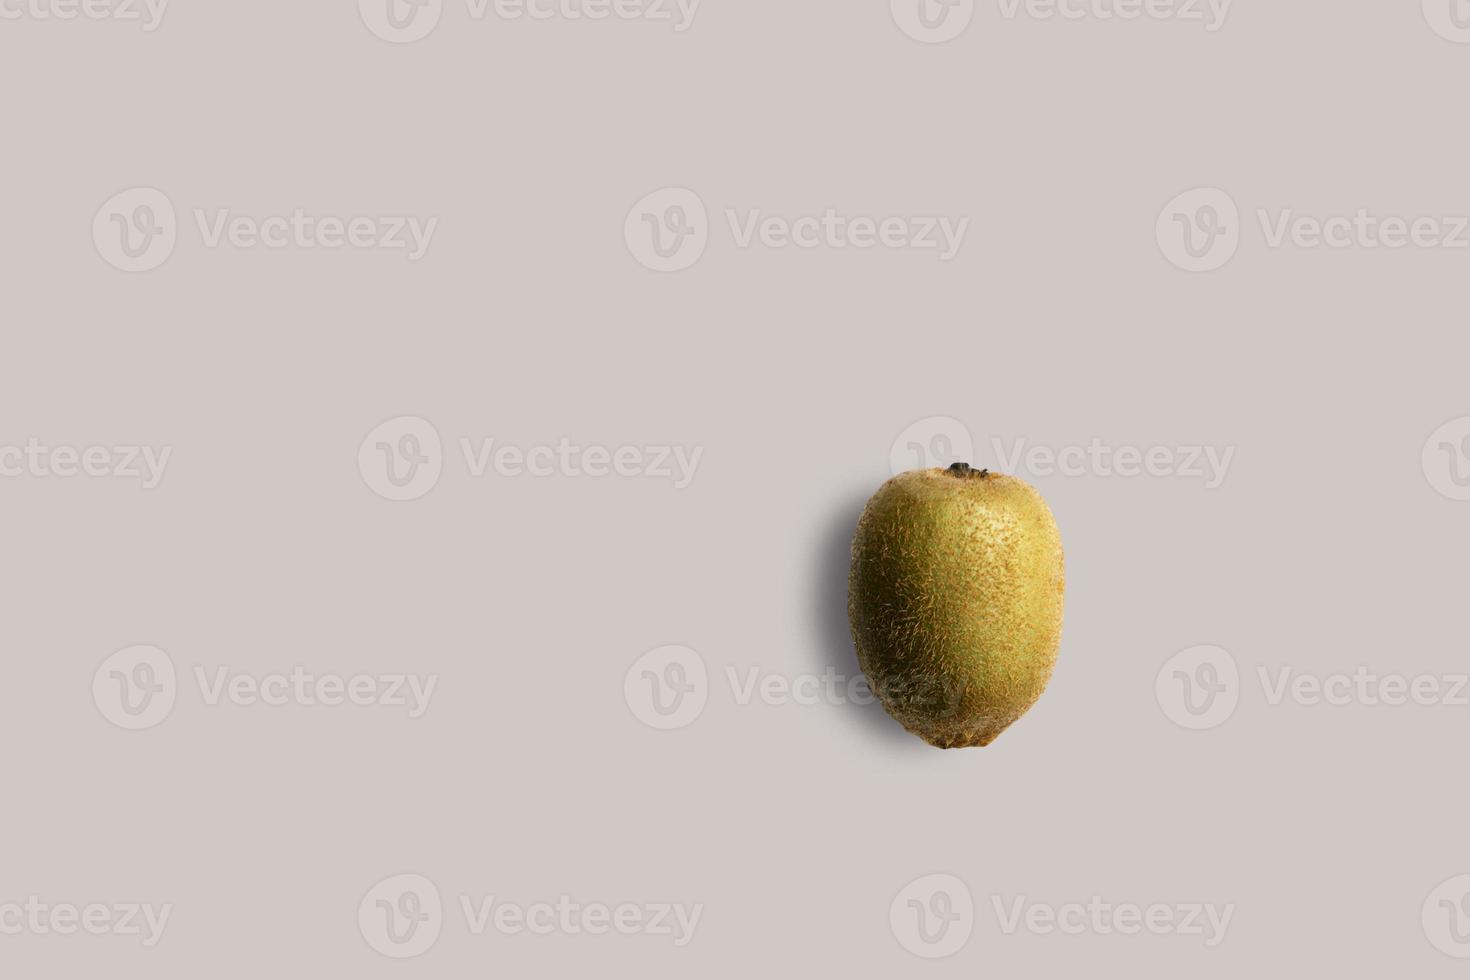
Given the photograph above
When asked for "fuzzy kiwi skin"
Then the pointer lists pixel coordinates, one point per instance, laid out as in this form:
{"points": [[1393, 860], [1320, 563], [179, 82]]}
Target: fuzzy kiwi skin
{"points": [[955, 600]]}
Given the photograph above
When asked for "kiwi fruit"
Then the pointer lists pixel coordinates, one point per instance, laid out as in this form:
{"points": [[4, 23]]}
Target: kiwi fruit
{"points": [[955, 600]]}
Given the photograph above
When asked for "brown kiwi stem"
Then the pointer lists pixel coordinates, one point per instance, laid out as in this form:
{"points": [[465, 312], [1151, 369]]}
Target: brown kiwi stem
{"points": [[965, 470]]}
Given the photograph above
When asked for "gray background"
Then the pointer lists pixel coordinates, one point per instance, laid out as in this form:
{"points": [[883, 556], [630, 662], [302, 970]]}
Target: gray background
{"points": [[529, 320]]}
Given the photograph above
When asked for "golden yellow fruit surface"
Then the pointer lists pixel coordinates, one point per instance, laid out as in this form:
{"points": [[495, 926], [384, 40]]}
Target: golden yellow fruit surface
{"points": [[955, 600]]}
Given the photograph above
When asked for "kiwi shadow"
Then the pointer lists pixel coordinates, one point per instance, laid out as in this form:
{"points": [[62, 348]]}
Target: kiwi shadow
{"points": [[834, 557]]}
